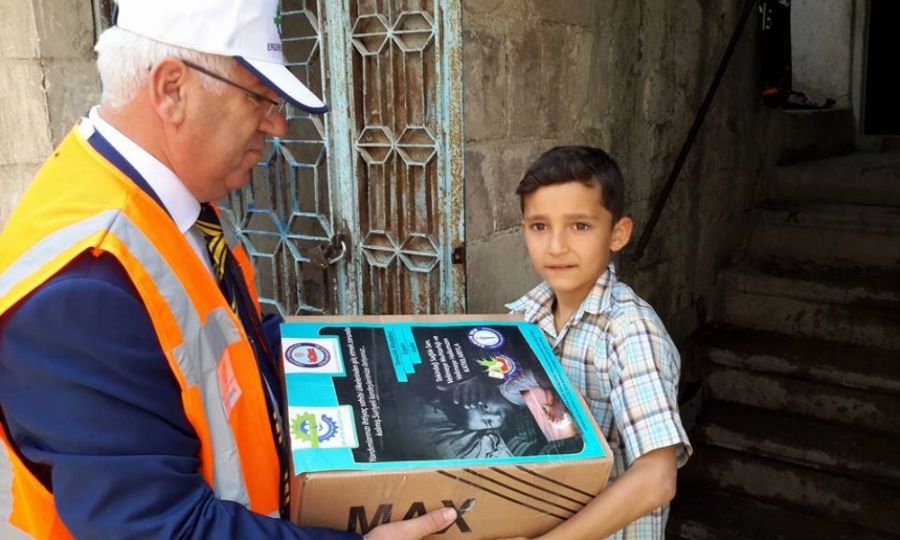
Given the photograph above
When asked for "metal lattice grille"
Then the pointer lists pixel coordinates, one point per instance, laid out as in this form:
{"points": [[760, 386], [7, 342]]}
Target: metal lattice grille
{"points": [[394, 61], [286, 210], [384, 166]]}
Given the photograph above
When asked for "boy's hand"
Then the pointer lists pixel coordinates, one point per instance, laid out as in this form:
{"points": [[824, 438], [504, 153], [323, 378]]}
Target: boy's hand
{"points": [[414, 529]]}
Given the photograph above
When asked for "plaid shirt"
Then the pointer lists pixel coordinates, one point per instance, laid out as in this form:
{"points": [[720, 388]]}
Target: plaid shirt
{"points": [[617, 352]]}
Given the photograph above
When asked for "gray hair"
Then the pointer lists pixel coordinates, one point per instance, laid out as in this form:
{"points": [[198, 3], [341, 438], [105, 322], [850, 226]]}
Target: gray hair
{"points": [[124, 60]]}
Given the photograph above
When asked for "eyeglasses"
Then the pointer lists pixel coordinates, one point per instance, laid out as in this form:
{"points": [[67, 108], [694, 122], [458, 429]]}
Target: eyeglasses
{"points": [[256, 96]]}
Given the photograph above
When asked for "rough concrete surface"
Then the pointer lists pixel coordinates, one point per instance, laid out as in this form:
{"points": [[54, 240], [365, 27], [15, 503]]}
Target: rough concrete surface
{"points": [[25, 136], [47, 80], [504, 255], [73, 87], [14, 179], [18, 32], [65, 28], [821, 42], [800, 362], [626, 76]]}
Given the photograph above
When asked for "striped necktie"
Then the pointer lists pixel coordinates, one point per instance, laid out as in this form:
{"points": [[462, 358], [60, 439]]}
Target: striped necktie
{"points": [[225, 270], [209, 224]]}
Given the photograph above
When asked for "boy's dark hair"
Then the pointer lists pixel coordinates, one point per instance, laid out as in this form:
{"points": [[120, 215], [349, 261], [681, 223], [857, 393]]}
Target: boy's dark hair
{"points": [[588, 165]]}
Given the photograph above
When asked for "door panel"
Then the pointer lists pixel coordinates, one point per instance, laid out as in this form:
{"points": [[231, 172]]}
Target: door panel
{"points": [[383, 167]]}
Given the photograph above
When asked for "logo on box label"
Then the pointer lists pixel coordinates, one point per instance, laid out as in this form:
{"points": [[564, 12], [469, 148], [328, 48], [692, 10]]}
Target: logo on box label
{"points": [[486, 338], [322, 427], [308, 428], [499, 366], [312, 355], [308, 355]]}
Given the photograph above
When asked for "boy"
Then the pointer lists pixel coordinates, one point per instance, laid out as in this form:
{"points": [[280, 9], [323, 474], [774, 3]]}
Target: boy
{"points": [[611, 343]]}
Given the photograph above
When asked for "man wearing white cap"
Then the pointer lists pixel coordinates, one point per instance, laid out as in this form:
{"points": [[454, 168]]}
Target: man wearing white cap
{"points": [[139, 392]]}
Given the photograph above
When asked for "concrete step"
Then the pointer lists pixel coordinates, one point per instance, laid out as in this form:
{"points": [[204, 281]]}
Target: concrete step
{"points": [[807, 135], [835, 448], [848, 236], [856, 408], [865, 179], [852, 366], [815, 305], [801, 489], [865, 286], [714, 515], [776, 304]]}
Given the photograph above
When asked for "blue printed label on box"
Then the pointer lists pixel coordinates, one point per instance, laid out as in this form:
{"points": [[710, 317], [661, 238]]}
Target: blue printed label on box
{"points": [[378, 396]]}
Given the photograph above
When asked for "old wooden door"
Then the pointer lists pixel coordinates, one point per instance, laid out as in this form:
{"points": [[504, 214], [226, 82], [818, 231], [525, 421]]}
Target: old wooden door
{"points": [[361, 210]]}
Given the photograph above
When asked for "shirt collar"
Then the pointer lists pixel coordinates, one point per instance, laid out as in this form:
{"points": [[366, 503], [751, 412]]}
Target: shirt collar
{"points": [[175, 196], [537, 301], [599, 299], [537, 304]]}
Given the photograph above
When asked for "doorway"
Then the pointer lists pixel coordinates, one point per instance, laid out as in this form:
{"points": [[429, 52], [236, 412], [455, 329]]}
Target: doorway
{"points": [[882, 83]]}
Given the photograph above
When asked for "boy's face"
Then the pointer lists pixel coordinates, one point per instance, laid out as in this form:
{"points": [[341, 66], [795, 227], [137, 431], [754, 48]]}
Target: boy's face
{"points": [[488, 415], [570, 236]]}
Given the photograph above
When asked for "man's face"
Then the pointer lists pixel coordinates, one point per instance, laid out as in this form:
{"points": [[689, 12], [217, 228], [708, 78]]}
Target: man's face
{"points": [[224, 134], [570, 236]]}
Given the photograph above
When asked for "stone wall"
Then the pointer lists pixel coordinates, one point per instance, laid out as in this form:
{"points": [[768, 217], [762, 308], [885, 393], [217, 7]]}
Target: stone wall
{"points": [[821, 46], [627, 76], [529, 70], [47, 80]]}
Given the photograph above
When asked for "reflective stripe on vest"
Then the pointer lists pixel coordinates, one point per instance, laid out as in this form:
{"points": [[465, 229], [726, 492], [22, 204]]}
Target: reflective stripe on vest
{"points": [[198, 356]]}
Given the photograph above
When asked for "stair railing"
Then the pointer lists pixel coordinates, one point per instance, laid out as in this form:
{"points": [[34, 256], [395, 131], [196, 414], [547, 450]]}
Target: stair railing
{"points": [[692, 134]]}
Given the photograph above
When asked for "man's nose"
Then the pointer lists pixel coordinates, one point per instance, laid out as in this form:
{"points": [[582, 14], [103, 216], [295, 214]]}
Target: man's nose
{"points": [[274, 125]]}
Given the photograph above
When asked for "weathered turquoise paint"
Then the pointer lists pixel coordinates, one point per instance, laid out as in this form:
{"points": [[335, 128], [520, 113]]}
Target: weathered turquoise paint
{"points": [[453, 293], [341, 158], [411, 268]]}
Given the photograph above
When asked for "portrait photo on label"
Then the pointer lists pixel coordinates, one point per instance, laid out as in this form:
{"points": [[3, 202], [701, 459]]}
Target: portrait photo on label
{"points": [[461, 400], [551, 414]]}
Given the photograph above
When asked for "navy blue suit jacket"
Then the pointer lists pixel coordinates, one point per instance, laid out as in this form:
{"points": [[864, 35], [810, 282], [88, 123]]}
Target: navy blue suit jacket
{"points": [[92, 405], [96, 413]]}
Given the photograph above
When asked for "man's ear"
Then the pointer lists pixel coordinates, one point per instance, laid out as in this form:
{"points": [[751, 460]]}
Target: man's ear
{"points": [[621, 234], [168, 89]]}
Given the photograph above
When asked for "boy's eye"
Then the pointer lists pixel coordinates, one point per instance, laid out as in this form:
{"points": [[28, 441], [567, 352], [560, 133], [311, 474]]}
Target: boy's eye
{"points": [[537, 226], [581, 226]]}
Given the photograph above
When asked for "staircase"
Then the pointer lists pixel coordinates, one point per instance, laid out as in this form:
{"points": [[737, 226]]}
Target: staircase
{"points": [[799, 436]]}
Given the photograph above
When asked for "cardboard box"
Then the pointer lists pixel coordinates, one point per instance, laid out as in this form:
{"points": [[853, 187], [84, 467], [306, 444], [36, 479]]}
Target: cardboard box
{"points": [[391, 417]]}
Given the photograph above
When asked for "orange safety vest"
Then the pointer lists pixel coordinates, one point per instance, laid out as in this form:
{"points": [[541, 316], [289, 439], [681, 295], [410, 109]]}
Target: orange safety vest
{"points": [[80, 202]]}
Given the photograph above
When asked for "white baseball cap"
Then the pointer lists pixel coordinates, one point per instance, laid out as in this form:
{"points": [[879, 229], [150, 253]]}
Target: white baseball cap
{"points": [[246, 30]]}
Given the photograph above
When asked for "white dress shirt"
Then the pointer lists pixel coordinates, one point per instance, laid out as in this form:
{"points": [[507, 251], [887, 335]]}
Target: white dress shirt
{"points": [[171, 191]]}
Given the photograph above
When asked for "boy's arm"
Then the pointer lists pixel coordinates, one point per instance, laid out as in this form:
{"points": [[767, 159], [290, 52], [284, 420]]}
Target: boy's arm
{"points": [[647, 484], [643, 369]]}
